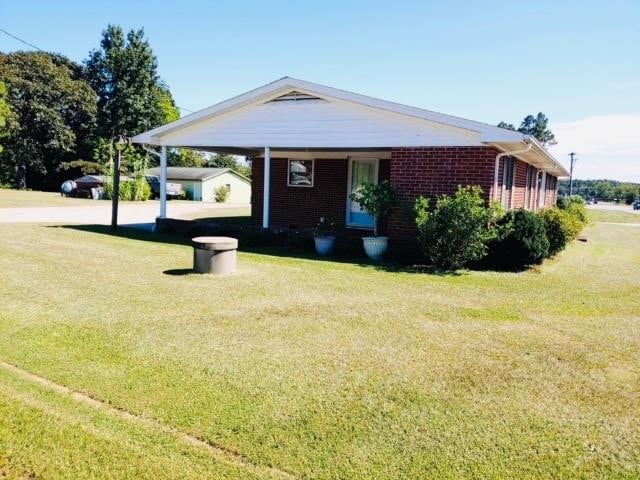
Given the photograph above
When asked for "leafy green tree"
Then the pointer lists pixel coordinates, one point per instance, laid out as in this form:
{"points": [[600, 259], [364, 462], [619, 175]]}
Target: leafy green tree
{"points": [[53, 117], [535, 126], [538, 127], [167, 105], [186, 157], [124, 74], [4, 112], [603, 189], [223, 160], [508, 126]]}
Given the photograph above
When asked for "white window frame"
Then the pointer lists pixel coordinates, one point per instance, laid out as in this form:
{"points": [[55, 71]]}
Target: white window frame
{"points": [[542, 190], [313, 172], [514, 163]]}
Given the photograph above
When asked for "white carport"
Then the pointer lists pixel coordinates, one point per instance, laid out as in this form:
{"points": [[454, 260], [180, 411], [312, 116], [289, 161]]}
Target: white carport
{"points": [[294, 119]]}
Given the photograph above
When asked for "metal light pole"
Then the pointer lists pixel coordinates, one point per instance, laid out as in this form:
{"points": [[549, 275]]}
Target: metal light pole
{"points": [[573, 161], [120, 142]]}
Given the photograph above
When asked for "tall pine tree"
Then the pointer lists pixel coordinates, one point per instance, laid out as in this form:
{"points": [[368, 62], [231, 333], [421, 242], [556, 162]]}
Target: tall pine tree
{"points": [[536, 127], [124, 74]]}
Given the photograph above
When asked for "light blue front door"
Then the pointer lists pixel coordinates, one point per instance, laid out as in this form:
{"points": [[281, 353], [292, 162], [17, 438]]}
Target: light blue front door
{"points": [[361, 171]]}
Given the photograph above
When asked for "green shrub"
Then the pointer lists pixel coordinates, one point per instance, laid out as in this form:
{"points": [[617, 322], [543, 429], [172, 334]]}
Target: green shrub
{"points": [[561, 227], [221, 194], [137, 190], [556, 225], [576, 206], [376, 199], [457, 231], [579, 211], [126, 190], [524, 241], [140, 190]]}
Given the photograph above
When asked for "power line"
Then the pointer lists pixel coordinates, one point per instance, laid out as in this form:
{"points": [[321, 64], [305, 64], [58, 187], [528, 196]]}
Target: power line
{"points": [[20, 40]]}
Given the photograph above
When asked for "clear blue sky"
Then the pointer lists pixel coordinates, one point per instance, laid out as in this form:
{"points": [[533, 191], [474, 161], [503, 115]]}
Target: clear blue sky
{"points": [[489, 61]]}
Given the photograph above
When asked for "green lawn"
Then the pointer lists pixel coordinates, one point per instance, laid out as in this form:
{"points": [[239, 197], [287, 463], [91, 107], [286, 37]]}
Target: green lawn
{"points": [[616, 216], [318, 369], [28, 198]]}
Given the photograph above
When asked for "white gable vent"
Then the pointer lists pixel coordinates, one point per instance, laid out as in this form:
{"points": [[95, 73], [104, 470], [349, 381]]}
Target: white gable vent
{"points": [[295, 97]]}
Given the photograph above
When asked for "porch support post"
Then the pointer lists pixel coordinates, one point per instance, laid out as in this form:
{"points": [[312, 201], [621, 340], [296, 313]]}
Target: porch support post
{"points": [[163, 182], [266, 187]]}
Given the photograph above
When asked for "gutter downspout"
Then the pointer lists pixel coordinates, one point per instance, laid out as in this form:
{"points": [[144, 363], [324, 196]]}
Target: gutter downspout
{"points": [[497, 165]]}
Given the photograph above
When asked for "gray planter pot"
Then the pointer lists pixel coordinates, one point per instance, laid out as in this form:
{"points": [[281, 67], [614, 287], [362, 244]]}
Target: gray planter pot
{"points": [[324, 245], [375, 247]]}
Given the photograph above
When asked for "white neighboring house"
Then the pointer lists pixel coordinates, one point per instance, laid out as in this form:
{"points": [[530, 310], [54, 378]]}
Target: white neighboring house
{"points": [[201, 183]]}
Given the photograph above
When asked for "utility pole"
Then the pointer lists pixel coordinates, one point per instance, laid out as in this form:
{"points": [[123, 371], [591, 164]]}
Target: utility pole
{"points": [[573, 161]]}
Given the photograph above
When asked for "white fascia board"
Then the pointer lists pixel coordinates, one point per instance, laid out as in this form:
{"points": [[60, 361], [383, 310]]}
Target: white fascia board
{"points": [[558, 168], [537, 156], [488, 133]]}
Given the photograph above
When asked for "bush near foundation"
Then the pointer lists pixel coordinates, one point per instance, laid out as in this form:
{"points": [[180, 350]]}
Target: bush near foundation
{"points": [[458, 230], [576, 206], [524, 242], [221, 194], [561, 226]]}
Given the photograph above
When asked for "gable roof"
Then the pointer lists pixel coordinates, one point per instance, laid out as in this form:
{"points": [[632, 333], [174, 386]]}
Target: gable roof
{"points": [[195, 173], [372, 122]]}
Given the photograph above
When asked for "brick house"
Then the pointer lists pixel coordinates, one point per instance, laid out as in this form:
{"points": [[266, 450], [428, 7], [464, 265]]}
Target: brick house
{"points": [[311, 145]]}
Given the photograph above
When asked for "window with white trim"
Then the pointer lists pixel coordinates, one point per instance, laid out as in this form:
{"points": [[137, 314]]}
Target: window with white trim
{"points": [[508, 179], [300, 173]]}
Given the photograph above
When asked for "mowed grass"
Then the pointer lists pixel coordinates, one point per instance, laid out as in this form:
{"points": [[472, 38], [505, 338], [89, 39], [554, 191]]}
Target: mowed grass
{"points": [[317, 368], [615, 216], [27, 198]]}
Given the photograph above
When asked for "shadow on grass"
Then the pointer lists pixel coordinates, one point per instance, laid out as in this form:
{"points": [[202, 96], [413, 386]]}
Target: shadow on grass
{"points": [[179, 272], [280, 251], [130, 233]]}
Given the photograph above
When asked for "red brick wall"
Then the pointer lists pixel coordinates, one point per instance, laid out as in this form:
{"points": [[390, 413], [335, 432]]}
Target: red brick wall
{"points": [[430, 172], [302, 207]]}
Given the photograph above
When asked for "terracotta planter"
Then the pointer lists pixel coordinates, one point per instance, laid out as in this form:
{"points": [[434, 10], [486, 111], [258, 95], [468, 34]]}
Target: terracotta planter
{"points": [[375, 247], [324, 245]]}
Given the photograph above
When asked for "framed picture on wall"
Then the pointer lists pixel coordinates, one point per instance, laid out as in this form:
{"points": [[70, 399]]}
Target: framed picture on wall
{"points": [[300, 173]]}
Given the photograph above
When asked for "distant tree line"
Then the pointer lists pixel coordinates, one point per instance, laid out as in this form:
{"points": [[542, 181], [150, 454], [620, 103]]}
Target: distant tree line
{"points": [[606, 190], [58, 118]]}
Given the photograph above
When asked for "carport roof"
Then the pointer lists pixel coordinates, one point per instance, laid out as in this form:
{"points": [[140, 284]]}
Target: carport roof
{"points": [[295, 114], [193, 173]]}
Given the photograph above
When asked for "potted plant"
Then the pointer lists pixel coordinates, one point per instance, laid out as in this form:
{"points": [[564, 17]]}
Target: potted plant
{"points": [[322, 236], [376, 200]]}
